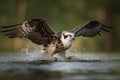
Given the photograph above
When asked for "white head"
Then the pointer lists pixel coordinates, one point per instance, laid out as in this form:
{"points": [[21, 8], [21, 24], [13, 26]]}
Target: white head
{"points": [[67, 38]]}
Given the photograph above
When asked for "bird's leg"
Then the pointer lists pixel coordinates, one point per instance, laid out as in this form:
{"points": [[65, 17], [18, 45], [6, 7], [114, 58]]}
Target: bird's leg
{"points": [[63, 54], [50, 50]]}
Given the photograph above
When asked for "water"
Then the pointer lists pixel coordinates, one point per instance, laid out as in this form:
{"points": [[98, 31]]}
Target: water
{"points": [[35, 65]]}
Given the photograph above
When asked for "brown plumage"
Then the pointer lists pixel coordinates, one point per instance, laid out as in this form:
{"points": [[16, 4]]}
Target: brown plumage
{"points": [[36, 30], [91, 29], [39, 32]]}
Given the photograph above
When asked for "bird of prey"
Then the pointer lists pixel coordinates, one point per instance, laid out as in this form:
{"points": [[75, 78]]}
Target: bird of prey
{"points": [[39, 32]]}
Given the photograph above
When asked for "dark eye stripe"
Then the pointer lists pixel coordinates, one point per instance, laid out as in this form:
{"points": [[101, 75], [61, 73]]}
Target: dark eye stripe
{"points": [[65, 36]]}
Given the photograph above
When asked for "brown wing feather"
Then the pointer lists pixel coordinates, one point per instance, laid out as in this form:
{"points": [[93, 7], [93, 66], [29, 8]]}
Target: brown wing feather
{"points": [[90, 29], [36, 30]]}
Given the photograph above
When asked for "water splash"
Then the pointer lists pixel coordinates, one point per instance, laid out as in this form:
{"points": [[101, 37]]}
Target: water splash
{"points": [[27, 54], [37, 54]]}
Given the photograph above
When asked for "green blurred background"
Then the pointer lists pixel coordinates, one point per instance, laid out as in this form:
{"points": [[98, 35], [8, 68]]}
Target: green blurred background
{"points": [[63, 15]]}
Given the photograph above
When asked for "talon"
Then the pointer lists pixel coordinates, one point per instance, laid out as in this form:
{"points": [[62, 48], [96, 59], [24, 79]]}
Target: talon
{"points": [[70, 57], [53, 59]]}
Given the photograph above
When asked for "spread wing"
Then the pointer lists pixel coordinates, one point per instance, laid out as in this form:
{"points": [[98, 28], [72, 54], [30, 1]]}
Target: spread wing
{"points": [[90, 29], [36, 30]]}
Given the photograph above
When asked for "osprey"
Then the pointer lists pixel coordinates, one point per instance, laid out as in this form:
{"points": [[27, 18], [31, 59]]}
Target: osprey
{"points": [[39, 32]]}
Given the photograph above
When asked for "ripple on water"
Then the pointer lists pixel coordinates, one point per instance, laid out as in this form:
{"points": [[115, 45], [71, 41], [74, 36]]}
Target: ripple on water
{"points": [[31, 65]]}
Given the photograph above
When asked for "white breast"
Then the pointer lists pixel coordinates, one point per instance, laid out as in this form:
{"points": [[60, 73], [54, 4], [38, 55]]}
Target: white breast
{"points": [[66, 43]]}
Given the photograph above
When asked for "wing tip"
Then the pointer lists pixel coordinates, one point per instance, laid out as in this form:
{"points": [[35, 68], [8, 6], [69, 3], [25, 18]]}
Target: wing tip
{"points": [[108, 27]]}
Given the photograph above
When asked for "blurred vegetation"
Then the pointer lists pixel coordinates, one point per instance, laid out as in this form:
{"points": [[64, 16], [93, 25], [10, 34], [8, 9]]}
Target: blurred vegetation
{"points": [[63, 15]]}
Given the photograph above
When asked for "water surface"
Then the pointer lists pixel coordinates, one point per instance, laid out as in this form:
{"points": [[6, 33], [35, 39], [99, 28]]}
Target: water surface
{"points": [[36, 66]]}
